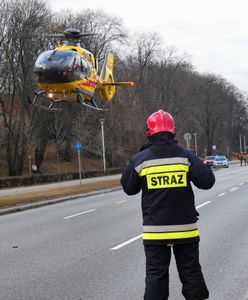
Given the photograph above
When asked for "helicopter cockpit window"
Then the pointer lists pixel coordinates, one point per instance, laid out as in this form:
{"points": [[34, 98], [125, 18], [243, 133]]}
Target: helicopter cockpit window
{"points": [[85, 68], [81, 66], [55, 59], [76, 63]]}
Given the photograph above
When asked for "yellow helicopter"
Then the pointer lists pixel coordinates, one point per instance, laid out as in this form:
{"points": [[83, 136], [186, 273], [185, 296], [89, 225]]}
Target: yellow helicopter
{"points": [[69, 74]]}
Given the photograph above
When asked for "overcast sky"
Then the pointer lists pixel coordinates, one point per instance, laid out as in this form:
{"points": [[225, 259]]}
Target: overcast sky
{"points": [[214, 33]]}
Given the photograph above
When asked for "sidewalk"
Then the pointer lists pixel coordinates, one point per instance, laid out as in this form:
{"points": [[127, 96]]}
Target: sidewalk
{"points": [[21, 198], [55, 185]]}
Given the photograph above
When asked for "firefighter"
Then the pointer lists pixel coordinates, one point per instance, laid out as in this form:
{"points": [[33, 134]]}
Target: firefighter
{"points": [[245, 158], [163, 171], [241, 157]]}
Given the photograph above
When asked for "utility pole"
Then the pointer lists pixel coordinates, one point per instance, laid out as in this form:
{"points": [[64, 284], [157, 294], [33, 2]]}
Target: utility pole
{"points": [[244, 144], [196, 150]]}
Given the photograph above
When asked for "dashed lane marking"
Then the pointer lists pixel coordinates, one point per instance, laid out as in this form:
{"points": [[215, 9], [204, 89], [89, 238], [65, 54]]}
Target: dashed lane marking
{"points": [[246, 296], [123, 201], [127, 242], [234, 189], [81, 213], [222, 194], [203, 204], [241, 183]]}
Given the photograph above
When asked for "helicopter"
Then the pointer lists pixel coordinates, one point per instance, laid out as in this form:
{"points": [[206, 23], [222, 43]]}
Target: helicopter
{"points": [[69, 73]]}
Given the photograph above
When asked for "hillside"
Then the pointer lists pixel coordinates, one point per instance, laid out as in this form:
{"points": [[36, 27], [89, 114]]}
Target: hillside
{"points": [[53, 164]]}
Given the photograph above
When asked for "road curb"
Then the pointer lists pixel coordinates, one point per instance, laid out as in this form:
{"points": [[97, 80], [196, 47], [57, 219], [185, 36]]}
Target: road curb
{"points": [[26, 206]]}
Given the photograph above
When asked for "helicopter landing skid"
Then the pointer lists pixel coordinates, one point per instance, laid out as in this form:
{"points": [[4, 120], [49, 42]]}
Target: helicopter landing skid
{"points": [[38, 102], [50, 107], [89, 103]]}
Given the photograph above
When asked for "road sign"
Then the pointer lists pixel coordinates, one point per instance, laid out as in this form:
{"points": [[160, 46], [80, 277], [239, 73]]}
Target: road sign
{"points": [[187, 137], [77, 146]]}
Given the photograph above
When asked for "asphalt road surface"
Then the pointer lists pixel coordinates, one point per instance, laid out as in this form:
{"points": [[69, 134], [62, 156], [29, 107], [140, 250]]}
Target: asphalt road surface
{"points": [[91, 248]]}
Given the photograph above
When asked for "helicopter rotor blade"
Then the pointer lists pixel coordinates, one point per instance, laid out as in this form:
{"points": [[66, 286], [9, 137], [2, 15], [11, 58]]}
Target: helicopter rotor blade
{"points": [[62, 35], [55, 35], [87, 34]]}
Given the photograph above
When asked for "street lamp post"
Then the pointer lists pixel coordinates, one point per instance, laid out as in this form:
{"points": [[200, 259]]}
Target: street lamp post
{"points": [[240, 143], [29, 165], [196, 150], [103, 145]]}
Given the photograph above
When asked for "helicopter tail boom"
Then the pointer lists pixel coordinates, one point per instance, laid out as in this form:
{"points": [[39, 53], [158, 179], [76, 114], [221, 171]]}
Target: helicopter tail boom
{"points": [[128, 83]]}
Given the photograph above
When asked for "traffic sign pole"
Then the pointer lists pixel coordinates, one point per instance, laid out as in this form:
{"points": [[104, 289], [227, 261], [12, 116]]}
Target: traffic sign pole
{"points": [[79, 167], [187, 137], [78, 147]]}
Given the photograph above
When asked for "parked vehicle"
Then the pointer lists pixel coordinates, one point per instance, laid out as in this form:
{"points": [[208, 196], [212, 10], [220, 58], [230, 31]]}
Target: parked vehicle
{"points": [[209, 160], [220, 161]]}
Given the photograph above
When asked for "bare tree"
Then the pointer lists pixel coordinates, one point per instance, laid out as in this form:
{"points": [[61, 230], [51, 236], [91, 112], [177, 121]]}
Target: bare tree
{"points": [[25, 19], [106, 29]]}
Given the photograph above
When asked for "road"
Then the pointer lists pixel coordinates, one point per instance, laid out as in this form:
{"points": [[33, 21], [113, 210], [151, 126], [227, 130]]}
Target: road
{"points": [[90, 248]]}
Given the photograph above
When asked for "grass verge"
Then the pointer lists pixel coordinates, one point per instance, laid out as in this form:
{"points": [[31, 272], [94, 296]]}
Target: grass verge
{"points": [[11, 200]]}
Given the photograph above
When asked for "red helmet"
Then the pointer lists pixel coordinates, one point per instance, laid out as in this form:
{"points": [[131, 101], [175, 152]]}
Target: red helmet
{"points": [[160, 121]]}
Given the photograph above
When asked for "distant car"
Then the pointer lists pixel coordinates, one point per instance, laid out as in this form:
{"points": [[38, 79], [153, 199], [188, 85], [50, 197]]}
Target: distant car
{"points": [[220, 161], [209, 160]]}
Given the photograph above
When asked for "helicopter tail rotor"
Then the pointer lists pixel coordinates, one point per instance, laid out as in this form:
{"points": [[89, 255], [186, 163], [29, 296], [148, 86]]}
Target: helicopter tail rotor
{"points": [[107, 92]]}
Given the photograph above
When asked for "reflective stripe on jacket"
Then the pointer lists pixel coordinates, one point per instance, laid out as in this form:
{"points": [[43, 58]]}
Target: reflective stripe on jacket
{"points": [[163, 171]]}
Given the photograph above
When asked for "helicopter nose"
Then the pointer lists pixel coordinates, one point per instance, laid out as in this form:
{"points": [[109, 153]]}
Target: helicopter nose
{"points": [[54, 76]]}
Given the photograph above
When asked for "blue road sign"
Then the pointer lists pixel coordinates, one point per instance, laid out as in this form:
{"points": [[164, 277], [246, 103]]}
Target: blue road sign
{"points": [[77, 146]]}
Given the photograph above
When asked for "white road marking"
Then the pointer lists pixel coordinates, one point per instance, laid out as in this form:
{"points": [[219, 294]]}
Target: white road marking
{"points": [[127, 242], [234, 189], [81, 213], [246, 296], [203, 204], [241, 183], [117, 247], [222, 194], [123, 201]]}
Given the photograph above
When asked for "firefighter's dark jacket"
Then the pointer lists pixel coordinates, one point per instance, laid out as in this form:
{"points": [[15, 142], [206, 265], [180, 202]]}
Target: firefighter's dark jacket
{"points": [[164, 172]]}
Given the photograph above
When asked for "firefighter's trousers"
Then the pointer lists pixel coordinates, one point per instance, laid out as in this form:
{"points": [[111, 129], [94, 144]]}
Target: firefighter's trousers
{"points": [[157, 271]]}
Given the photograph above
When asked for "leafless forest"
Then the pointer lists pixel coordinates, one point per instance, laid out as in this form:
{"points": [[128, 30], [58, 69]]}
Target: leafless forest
{"points": [[205, 104]]}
